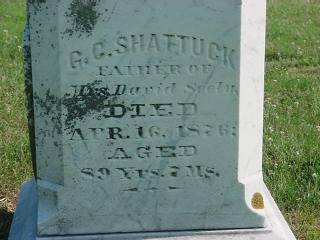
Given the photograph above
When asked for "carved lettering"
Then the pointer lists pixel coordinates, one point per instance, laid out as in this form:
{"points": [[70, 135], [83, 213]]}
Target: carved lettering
{"points": [[144, 152], [217, 53], [176, 43], [152, 116], [76, 59], [134, 173], [98, 50], [153, 132], [213, 88], [120, 153], [77, 135]]}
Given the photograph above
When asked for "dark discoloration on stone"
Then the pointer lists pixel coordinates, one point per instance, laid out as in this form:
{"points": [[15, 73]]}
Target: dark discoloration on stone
{"points": [[83, 16], [86, 103], [29, 89], [50, 108], [36, 2], [75, 107]]}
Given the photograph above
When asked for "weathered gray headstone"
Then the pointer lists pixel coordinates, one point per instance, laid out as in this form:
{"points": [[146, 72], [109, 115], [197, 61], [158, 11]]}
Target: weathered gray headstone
{"points": [[146, 121]]}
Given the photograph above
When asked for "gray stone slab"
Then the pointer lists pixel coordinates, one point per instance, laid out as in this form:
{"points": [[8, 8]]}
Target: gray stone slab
{"points": [[24, 225], [146, 119], [147, 114]]}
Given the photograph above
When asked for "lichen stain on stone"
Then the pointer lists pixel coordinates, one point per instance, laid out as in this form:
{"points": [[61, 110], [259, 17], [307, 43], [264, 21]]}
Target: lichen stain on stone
{"points": [[75, 108], [257, 201], [37, 2], [83, 16], [85, 104]]}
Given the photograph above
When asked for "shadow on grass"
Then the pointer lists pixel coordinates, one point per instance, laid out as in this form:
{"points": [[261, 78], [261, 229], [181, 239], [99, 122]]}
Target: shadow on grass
{"points": [[6, 218]]}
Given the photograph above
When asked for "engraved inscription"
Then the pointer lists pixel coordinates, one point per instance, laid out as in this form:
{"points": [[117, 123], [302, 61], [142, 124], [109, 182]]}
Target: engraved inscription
{"points": [[153, 132], [128, 173], [153, 152], [181, 45], [153, 70], [167, 136], [105, 91], [134, 174], [178, 44]]}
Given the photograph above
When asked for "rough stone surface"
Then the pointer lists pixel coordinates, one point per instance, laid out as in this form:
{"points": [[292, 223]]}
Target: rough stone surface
{"points": [[146, 115], [24, 225]]}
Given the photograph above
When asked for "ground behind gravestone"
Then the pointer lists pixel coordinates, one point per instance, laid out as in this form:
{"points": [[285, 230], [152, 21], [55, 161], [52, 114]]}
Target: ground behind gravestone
{"points": [[292, 112]]}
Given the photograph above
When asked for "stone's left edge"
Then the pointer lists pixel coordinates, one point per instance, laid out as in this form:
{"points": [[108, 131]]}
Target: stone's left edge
{"points": [[29, 86], [42, 43]]}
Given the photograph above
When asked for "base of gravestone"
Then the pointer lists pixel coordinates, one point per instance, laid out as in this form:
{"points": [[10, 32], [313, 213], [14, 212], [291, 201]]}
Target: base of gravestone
{"points": [[25, 218]]}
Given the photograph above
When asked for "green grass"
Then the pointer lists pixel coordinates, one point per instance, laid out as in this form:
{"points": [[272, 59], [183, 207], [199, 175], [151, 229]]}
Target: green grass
{"points": [[14, 148], [292, 111]]}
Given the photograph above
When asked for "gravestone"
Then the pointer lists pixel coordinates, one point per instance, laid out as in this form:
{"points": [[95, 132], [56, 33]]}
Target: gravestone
{"points": [[146, 121]]}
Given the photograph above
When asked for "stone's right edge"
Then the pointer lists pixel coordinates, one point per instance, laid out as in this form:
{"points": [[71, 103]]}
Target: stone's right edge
{"points": [[252, 68], [24, 225]]}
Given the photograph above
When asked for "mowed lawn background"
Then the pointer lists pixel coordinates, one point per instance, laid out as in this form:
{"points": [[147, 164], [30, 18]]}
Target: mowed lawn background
{"points": [[292, 112]]}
